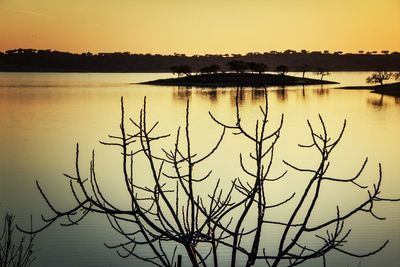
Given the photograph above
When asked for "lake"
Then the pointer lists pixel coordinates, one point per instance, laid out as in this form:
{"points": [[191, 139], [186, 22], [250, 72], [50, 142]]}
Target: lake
{"points": [[44, 115]]}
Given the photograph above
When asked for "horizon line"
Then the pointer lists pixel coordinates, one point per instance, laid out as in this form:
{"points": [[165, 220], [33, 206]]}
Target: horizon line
{"points": [[286, 51]]}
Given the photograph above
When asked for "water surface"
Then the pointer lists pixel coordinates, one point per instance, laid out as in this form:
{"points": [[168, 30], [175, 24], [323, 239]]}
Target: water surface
{"points": [[44, 115]]}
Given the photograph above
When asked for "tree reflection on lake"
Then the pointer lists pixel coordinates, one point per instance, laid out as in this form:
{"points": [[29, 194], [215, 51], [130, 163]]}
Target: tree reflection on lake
{"points": [[42, 123]]}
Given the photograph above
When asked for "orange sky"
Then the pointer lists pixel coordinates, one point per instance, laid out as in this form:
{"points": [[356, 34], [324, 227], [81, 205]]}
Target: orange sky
{"points": [[200, 26]]}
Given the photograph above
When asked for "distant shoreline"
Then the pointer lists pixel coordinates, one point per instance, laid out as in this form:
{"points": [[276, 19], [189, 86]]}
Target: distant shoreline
{"points": [[392, 89], [31, 60], [237, 79]]}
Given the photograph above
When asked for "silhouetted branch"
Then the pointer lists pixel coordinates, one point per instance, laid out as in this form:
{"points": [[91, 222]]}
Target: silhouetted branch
{"points": [[169, 209], [15, 251]]}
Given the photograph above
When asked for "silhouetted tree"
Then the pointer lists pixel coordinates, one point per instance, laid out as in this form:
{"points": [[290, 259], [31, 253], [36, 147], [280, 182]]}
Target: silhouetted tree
{"points": [[238, 66], [257, 67], [304, 68], [282, 69], [379, 77], [210, 69], [169, 211], [181, 70], [322, 72], [14, 253]]}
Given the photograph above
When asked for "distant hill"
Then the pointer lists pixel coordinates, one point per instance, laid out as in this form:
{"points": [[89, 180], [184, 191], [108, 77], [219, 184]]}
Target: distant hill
{"points": [[31, 60]]}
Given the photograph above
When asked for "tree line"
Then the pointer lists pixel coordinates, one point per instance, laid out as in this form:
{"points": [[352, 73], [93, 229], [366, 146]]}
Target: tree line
{"points": [[57, 61], [240, 66]]}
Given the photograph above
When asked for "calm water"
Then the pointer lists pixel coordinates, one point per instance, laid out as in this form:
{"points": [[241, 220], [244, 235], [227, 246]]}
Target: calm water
{"points": [[43, 116]]}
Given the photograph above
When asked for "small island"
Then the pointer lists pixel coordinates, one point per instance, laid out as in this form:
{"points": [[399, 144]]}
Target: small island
{"points": [[392, 89], [237, 79]]}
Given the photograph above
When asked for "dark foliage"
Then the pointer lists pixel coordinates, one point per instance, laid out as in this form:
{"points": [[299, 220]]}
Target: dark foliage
{"points": [[56, 61], [381, 76], [282, 69], [238, 66], [14, 252], [181, 70], [210, 69], [257, 67]]}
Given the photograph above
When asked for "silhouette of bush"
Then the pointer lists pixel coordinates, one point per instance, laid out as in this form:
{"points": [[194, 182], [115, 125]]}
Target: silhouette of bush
{"points": [[282, 69], [381, 76], [257, 67], [322, 72], [303, 69], [210, 69], [14, 253], [181, 70], [238, 66]]}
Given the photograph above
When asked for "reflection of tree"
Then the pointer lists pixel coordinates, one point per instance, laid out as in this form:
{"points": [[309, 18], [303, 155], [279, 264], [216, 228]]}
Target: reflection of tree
{"points": [[281, 94], [182, 93], [378, 103], [321, 91], [169, 211], [238, 96], [257, 94], [212, 94]]}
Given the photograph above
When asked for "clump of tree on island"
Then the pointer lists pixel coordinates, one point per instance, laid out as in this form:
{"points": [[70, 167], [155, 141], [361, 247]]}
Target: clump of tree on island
{"points": [[237, 66], [238, 73], [381, 76], [382, 88], [240, 66]]}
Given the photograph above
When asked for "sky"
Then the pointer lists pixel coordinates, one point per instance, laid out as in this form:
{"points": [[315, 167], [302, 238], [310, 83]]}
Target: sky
{"points": [[200, 26]]}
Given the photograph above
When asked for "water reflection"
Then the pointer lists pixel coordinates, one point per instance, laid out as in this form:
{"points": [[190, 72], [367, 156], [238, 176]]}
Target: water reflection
{"points": [[249, 94], [40, 127], [211, 94], [257, 94], [241, 97], [182, 93], [321, 91], [281, 94], [377, 102]]}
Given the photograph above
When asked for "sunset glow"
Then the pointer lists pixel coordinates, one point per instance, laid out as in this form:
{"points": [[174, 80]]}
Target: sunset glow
{"points": [[200, 27]]}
